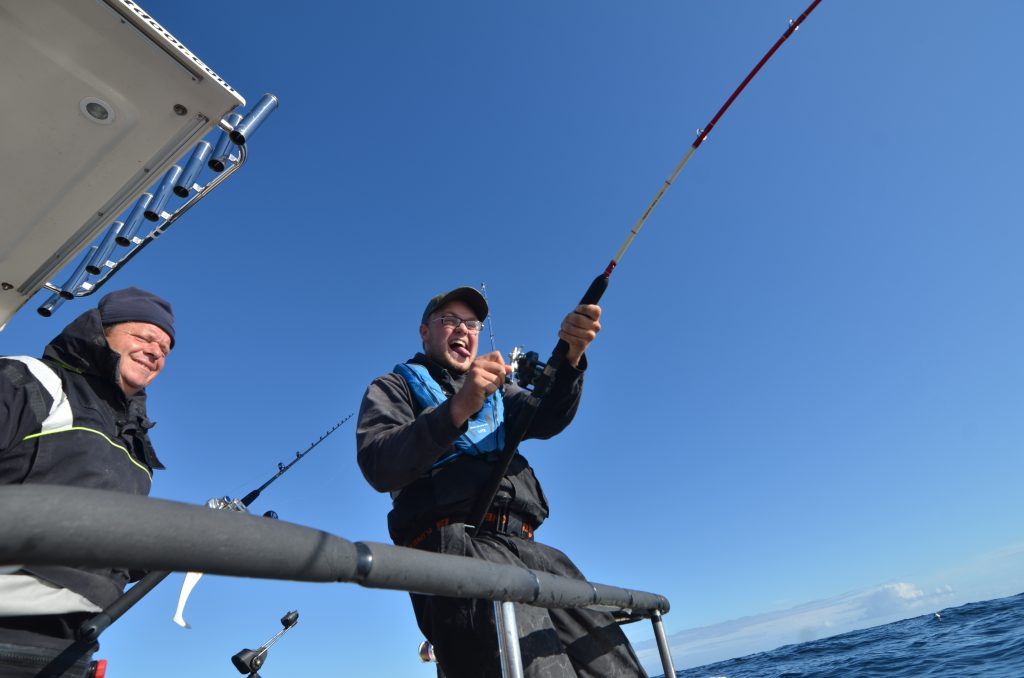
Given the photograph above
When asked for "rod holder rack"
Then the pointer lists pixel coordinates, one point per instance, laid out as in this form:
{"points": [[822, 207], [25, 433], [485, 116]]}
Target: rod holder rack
{"points": [[165, 201]]}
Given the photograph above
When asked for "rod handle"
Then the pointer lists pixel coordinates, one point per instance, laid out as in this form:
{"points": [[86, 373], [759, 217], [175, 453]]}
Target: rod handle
{"points": [[596, 290], [591, 296]]}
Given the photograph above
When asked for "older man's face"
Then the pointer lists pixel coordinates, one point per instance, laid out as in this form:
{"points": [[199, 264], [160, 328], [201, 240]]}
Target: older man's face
{"points": [[143, 349], [452, 347]]}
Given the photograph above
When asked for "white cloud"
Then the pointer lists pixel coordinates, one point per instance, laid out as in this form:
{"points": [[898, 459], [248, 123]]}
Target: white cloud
{"points": [[904, 590]]}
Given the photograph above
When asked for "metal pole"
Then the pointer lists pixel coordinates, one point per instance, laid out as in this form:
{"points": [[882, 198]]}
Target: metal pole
{"points": [[508, 640], [659, 635], [91, 629]]}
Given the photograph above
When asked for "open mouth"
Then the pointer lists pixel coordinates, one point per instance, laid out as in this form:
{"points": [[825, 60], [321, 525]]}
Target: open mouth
{"points": [[459, 348]]}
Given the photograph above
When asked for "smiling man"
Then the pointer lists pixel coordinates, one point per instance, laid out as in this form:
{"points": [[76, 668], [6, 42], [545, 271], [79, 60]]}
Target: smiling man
{"points": [[77, 417], [430, 433]]}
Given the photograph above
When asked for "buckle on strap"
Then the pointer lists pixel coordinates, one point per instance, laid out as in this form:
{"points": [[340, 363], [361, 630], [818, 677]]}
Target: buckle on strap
{"points": [[508, 523]]}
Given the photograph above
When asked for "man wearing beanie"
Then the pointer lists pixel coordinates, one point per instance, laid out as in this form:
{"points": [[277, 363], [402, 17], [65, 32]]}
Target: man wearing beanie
{"points": [[77, 417]]}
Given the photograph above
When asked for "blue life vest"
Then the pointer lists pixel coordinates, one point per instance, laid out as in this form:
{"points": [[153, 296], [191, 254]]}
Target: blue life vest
{"points": [[486, 430]]}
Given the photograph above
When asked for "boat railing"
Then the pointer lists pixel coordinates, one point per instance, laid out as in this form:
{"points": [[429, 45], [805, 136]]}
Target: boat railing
{"points": [[54, 525]]}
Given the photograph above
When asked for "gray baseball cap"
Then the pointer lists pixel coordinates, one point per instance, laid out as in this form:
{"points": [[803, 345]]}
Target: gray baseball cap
{"points": [[473, 299]]}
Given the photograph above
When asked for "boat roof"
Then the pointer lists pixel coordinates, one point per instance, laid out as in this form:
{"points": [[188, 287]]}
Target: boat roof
{"points": [[99, 101]]}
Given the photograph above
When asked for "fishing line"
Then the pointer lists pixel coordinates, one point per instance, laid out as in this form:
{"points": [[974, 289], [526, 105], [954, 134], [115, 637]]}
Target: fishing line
{"points": [[541, 375], [490, 316]]}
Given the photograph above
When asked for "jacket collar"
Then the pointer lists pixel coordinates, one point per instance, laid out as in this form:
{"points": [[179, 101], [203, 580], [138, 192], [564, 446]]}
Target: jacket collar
{"points": [[440, 373]]}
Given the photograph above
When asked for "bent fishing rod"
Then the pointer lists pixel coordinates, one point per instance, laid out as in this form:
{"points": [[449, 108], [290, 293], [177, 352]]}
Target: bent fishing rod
{"points": [[540, 376], [91, 629]]}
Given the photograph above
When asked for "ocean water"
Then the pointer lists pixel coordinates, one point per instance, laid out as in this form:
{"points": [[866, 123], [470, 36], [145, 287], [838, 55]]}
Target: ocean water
{"points": [[977, 639]]}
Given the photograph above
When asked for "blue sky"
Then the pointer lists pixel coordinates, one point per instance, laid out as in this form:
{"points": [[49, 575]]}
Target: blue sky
{"points": [[809, 384]]}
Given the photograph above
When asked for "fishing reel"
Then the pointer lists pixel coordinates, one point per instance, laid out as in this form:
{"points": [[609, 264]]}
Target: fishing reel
{"points": [[526, 367], [251, 661], [227, 503]]}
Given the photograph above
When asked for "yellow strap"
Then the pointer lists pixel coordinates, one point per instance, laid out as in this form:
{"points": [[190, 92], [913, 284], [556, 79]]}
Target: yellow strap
{"points": [[89, 430]]}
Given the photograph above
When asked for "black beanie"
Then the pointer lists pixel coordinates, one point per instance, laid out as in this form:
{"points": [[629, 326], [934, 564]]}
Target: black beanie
{"points": [[136, 305]]}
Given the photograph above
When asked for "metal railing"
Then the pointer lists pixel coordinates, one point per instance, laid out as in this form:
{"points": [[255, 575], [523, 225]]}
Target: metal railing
{"points": [[53, 525]]}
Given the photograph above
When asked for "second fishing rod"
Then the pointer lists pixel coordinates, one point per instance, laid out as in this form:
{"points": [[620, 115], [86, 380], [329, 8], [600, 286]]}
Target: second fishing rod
{"points": [[91, 628], [540, 376]]}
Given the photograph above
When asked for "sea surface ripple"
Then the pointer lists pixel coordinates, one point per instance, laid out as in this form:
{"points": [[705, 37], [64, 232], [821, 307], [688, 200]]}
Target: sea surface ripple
{"points": [[978, 639]]}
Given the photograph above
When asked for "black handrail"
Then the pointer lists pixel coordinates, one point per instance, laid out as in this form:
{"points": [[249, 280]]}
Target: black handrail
{"points": [[52, 525]]}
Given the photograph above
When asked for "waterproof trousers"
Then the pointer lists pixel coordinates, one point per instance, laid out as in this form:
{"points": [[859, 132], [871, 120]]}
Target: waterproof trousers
{"points": [[555, 643], [43, 647]]}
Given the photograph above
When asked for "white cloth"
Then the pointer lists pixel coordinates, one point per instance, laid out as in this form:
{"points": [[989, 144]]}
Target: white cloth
{"points": [[24, 595]]}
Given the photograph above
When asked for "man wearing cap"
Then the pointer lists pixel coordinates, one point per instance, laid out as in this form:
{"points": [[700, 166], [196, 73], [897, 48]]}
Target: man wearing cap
{"points": [[429, 433], [78, 417]]}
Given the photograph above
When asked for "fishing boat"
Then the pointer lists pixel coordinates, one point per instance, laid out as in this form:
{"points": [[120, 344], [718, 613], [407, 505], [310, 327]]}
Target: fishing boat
{"points": [[114, 130]]}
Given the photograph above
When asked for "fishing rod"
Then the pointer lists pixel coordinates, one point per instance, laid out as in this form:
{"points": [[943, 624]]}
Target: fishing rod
{"points": [[490, 316], [192, 578], [282, 468], [537, 377], [91, 629]]}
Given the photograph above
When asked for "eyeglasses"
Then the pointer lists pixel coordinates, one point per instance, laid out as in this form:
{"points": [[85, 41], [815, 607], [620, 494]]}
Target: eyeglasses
{"points": [[472, 326]]}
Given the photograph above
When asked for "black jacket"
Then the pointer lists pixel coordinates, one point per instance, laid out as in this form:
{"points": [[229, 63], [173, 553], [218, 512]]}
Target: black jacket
{"points": [[106, 447], [397, 442]]}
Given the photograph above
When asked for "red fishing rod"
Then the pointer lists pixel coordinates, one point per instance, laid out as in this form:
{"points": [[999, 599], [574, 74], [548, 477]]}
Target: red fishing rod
{"points": [[537, 376]]}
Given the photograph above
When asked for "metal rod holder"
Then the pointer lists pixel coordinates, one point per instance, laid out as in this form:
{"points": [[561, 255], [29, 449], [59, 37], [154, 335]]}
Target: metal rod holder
{"points": [[177, 214], [217, 161], [131, 224], [195, 165], [163, 193], [50, 305], [223, 158], [78, 277], [106, 248], [263, 108], [47, 309]]}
